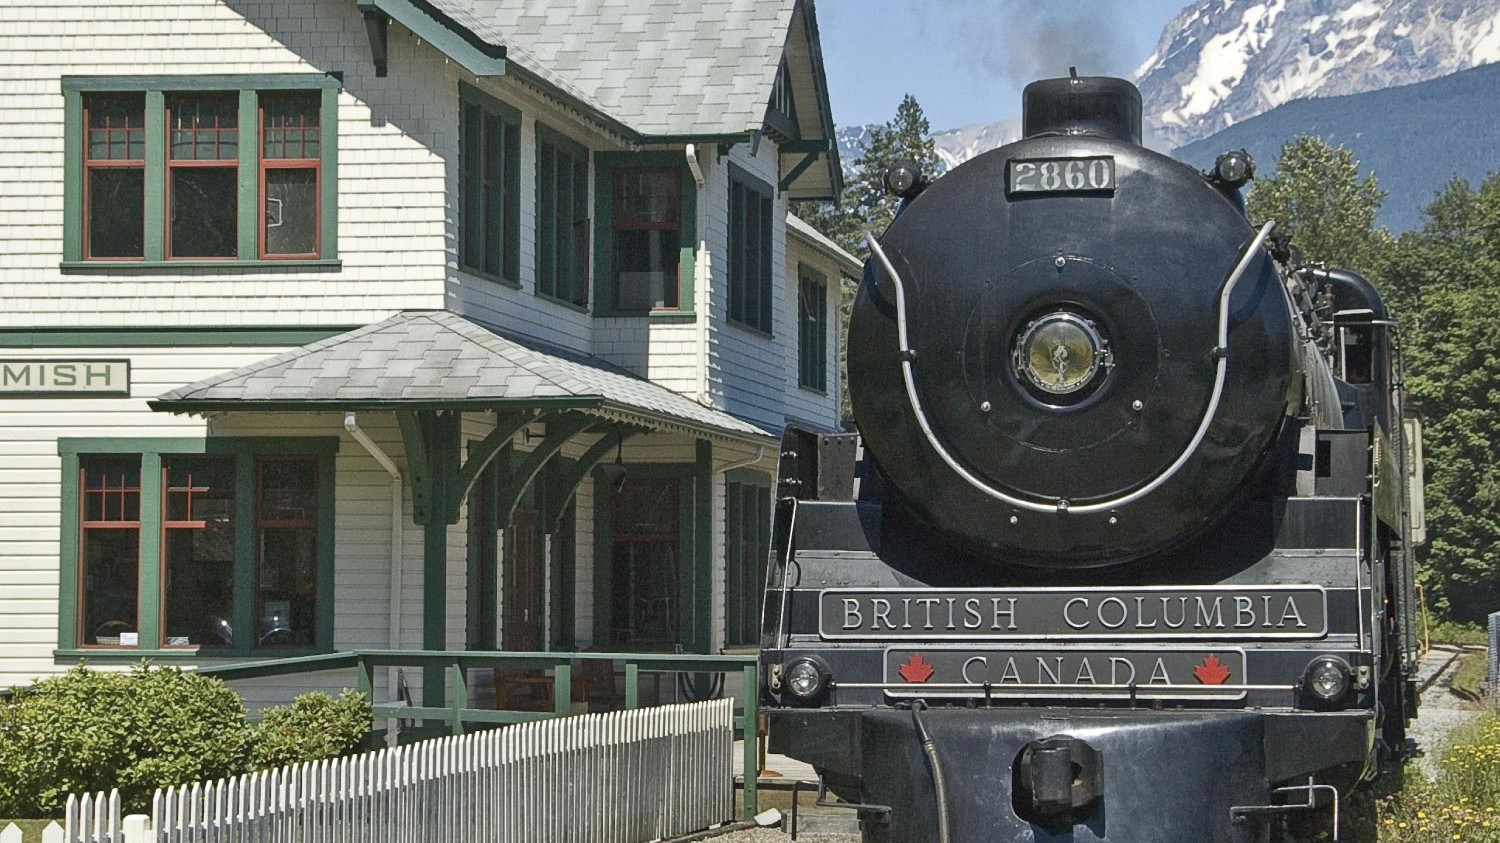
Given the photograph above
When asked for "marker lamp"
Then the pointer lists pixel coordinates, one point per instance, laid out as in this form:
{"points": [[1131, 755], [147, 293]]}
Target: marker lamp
{"points": [[805, 679], [1327, 678]]}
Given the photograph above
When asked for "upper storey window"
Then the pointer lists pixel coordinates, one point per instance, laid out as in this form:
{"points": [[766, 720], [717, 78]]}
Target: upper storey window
{"points": [[489, 163], [645, 237], [200, 169]]}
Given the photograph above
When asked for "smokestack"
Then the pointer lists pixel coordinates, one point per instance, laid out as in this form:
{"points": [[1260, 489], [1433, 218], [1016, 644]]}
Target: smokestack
{"points": [[1101, 106]]}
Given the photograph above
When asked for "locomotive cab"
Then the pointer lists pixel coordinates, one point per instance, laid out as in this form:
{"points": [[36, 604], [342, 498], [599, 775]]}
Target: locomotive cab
{"points": [[1106, 554]]}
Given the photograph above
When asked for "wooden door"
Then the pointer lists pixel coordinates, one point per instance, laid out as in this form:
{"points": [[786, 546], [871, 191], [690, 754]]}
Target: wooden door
{"points": [[523, 609]]}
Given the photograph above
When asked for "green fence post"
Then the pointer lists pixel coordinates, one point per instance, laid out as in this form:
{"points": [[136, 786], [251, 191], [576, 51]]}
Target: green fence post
{"points": [[460, 698], [748, 724], [364, 682], [632, 685], [562, 690]]}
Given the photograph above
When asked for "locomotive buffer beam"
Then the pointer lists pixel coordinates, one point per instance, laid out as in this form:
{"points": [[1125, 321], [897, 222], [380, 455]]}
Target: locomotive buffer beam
{"points": [[1242, 813]]}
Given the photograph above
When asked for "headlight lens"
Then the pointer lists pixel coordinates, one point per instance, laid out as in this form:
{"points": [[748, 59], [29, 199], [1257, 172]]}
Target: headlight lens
{"points": [[1060, 353], [1327, 678], [804, 679]]}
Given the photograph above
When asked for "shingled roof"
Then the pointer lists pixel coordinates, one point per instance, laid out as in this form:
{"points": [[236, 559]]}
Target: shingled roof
{"points": [[439, 359], [661, 67]]}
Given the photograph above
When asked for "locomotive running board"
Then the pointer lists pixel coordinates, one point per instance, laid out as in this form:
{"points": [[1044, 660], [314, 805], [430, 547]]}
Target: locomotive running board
{"points": [[1241, 813]]}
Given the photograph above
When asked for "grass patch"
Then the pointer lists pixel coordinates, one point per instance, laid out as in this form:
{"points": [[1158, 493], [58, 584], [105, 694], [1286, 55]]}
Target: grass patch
{"points": [[31, 830], [1448, 632], [1472, 674], [1462, 804]]}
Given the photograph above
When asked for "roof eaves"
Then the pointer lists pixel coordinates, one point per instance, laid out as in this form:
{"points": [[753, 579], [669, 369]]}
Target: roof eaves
{"points": [[825, 108], [806, 233], [210, 405], [473, 53]]}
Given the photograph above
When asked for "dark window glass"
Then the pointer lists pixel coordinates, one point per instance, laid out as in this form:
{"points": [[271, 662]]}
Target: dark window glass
{"points": [[747, 533], [749, 256], [812, 330], [286, 541], [203, 127], [290, 125], [292, 206], [115, 178], [562, 222], [647, 238], [645, 542], [489, 152], [198, 551], [109, 552], [204, 212], [116, 212]]}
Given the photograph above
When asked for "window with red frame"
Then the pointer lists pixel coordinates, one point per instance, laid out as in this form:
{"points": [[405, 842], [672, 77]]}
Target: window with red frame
{"points": [[203, 175], [109, 552], [647, 221], [286, 551], [290, 159], [198, 551], [114, 182], [645, 542]]}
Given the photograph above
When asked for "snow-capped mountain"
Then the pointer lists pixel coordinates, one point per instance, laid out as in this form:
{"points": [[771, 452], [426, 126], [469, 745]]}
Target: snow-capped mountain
{"points": [[1220, 62], [1223, 61]]}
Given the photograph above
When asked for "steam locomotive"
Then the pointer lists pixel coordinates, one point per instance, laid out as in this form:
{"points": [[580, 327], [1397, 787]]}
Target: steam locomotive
{"points": [[1123, 548]]}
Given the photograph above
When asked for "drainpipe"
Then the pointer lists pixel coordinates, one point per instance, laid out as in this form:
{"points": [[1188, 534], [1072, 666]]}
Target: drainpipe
{"points": [[351, 424], [701, 279], [760, 453]]}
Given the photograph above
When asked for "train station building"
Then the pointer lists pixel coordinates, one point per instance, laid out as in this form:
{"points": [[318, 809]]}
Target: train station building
{"points": [[447, 325]]}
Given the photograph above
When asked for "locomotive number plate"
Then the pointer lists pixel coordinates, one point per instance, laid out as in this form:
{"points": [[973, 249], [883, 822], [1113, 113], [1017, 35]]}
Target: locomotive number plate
{"points": [[1156, 673], [1061, 175]]}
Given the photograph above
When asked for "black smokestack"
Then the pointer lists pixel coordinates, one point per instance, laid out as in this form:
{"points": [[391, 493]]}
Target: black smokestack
{"points": [[1101, 106]]}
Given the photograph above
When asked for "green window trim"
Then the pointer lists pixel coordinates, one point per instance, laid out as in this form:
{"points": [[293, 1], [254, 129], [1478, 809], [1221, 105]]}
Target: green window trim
{"points": [[747, 542], [249, 194], [750, 298], [812, 329], [244, 451], [501, 160], [605, 164], [562, 177]]}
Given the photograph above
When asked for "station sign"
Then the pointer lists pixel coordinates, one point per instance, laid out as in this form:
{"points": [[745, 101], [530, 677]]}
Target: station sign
{"points": [[1157, 613], [32, 378]]}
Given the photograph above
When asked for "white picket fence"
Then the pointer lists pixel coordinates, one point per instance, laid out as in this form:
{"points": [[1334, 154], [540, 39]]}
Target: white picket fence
{"points": [[621, 777]]}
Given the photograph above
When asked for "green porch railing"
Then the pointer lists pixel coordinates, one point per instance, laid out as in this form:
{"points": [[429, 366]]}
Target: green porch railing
{"points": [[456, 664]]}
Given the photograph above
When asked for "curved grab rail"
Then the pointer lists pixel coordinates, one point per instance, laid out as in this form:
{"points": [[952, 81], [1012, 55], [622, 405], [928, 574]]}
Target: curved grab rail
{"points": [[1062, 505]]}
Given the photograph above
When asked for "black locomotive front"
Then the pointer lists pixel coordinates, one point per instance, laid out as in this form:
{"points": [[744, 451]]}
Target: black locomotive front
{"points": [[1123, 541]]}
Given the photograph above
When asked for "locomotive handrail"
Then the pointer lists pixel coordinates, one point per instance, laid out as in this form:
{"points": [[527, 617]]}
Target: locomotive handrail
{"points": [[1219, 352]]}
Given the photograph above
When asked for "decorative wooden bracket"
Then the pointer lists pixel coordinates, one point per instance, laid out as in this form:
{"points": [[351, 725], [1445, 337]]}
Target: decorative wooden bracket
{"points": [[560, 489], [431, 441], [559, 430], [377, 27], [811, 150], [481, 453]]}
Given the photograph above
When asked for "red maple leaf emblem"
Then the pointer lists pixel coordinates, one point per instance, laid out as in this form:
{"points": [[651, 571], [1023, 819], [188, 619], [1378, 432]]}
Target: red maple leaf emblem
{"points": [[916, 669], [1212, 671]]}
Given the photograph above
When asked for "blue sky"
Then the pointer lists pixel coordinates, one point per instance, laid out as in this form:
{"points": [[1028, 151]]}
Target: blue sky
{"points": [[967, 60]]}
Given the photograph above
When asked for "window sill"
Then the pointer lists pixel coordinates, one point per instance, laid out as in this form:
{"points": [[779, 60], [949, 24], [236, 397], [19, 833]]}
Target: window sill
{"points": [[226, 265], [574, 306], [750, 329], [177, 654], [822, 393], [488, 276], [649, 314]]}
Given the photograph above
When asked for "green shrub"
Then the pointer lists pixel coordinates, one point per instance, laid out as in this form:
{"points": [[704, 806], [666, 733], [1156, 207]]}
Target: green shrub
{"points": [[87, 730], [315, 726]]}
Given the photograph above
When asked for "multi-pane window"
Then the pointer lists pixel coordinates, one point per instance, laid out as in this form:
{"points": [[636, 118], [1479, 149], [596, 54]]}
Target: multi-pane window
{"points": [[203, 152], [290, 168], [747, 542], [109, 561], [645, 543], [562, 218], [489, 186], [218, 545], [198, 551], [750, 222], [199, 168], [647, 238], [812, 330], [286, 551], [114, 182]]}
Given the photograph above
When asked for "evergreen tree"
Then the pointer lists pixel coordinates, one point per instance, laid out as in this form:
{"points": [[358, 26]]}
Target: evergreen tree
{"points": [[866, 206], [1318, 198]]}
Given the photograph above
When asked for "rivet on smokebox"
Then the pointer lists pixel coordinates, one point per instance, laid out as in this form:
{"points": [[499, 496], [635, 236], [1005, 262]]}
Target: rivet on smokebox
{"points": [[1014, 520], [984, 407], [1061, 261]]}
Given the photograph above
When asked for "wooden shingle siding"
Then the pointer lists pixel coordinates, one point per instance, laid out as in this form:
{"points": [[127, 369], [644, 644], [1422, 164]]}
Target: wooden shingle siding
{"points": [[803, 405]]}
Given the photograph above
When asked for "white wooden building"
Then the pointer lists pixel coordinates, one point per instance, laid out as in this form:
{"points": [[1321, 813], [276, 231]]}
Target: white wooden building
{"points": [[441, 324]]}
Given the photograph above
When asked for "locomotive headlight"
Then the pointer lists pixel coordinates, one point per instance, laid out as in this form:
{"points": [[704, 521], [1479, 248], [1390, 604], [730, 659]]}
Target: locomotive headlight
{"points": [[805, 678], [1235, 168], [1060, 353], [1327, 678]]}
